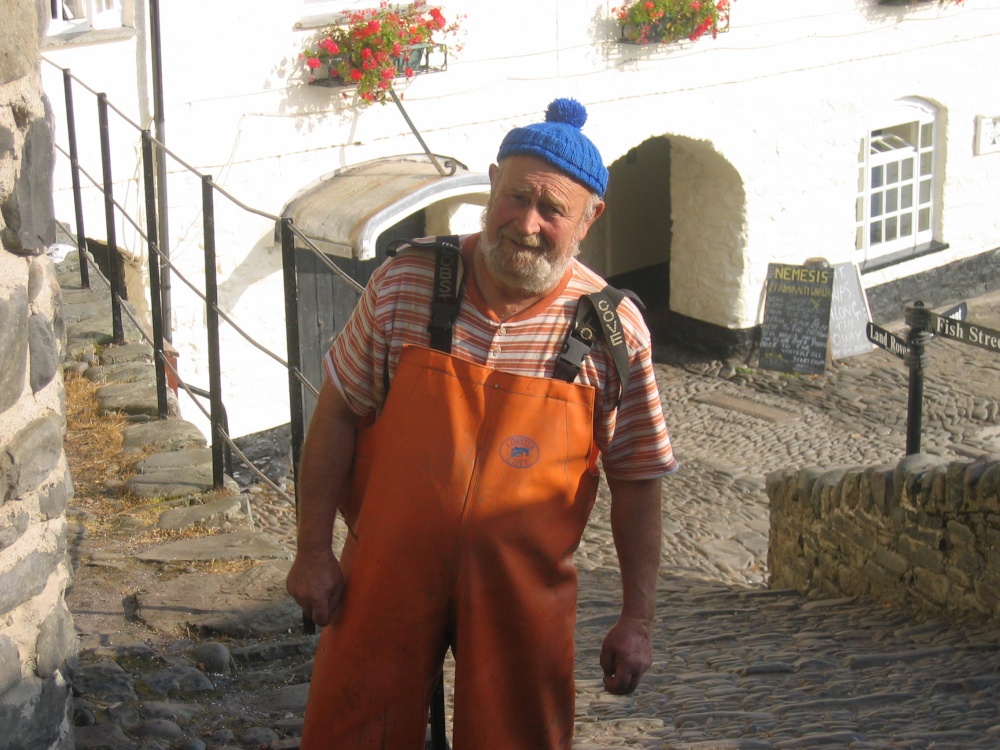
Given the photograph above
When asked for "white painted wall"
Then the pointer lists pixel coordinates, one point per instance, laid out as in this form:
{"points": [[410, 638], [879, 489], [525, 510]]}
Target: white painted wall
{"points": [[764, 122]]}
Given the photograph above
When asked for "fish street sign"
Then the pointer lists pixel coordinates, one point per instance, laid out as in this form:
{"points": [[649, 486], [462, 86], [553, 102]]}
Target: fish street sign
{"points": [[966, 332]]}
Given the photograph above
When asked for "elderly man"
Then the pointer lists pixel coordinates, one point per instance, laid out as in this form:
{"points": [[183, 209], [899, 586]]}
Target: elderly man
{"points": [[466, 472]]}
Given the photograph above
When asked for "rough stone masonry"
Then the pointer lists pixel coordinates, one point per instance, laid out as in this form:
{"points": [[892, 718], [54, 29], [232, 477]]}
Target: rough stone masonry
{"points": [[37, 640], [924, 533]]}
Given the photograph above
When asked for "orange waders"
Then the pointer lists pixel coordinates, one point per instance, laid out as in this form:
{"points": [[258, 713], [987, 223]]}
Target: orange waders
{"points": [[476, 487]]}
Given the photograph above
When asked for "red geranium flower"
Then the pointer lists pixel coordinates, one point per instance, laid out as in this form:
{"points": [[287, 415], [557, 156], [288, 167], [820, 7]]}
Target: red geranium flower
{"points": [[664, 21], [369, 48]]}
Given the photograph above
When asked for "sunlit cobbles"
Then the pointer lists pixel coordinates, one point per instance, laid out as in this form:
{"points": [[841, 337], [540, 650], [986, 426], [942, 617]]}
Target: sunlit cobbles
{"points": [[735, 666]]}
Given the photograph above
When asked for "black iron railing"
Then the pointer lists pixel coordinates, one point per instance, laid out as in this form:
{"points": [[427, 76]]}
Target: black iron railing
{"points": [[160, 267]]}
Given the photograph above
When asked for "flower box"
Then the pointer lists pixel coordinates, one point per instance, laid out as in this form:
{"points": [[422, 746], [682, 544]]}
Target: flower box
{"points": [[416, 59], [666, 21], [369, 48]]}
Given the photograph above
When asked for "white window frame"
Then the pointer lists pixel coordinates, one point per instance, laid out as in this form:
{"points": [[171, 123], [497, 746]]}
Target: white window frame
{"points": [[897, 201], [84, 15]]}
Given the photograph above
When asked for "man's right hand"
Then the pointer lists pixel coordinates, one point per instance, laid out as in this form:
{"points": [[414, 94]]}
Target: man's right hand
{"points": [[316, 582]]}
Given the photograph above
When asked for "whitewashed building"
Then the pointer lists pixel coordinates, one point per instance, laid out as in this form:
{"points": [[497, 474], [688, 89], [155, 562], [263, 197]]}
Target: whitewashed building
{"points": [[849, 130]]}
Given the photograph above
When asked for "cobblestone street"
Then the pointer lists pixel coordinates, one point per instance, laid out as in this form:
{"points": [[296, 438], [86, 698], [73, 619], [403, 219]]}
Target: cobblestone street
{"points": [[737, 666]]}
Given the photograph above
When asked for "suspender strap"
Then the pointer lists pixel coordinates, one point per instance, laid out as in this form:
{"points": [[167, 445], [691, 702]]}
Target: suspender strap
{"points": [[448, 274], [596, 315]]}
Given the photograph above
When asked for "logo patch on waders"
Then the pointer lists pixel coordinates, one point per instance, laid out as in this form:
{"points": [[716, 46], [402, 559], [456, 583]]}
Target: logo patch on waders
{"points": [[519, 451]]}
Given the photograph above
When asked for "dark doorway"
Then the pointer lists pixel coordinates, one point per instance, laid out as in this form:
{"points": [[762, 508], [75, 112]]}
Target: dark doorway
{"points": [[636, 228], [326, 301]]}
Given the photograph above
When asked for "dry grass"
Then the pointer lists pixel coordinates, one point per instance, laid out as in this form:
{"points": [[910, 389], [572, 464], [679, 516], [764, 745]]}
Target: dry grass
{"points": [[93, 443], [99, 468]]}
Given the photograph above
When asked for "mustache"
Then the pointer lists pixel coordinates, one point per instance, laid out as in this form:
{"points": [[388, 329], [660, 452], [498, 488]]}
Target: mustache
{"points": [[528, 240]]}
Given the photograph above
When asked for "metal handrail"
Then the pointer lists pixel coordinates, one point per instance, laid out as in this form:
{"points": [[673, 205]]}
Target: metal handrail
{"points": [[222, 443], [146, 236], [159, 261]]}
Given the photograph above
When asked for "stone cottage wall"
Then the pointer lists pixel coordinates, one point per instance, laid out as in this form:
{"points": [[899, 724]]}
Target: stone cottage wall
{"points": [[923, 534], [37, 641]]}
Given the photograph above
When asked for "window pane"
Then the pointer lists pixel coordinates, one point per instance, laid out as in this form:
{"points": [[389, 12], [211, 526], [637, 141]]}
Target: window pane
{"points": [[894, 208], [861, 152], [927, 135], [72, 10], [861, 180]]}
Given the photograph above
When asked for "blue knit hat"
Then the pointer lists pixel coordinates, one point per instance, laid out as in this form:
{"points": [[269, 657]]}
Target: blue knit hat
{"points": [[560, 141]]}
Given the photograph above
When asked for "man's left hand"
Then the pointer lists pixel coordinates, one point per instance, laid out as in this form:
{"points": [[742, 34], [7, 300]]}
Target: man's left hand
{"points": [[626, 655]]}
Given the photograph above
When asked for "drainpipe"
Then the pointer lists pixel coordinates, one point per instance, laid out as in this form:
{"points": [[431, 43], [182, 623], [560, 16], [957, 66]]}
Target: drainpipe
{"points": [[160, 133]]}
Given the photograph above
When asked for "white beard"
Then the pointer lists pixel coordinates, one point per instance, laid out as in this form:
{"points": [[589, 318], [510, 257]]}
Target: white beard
{"points": [[533, 272]]}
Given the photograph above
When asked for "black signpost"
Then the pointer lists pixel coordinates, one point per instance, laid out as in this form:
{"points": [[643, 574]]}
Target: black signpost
{"points": [[923, 326]]}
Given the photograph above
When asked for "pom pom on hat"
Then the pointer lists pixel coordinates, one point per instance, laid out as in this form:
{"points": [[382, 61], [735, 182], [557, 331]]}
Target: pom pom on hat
{"points": [[560, 141], [569, 111]]}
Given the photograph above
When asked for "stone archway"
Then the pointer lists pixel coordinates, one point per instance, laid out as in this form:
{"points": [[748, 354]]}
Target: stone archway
{"points": [[674, 231], [640, 231], [709, 284]]}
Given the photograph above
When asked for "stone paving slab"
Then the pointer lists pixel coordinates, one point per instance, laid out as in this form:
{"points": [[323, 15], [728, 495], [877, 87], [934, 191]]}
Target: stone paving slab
{"points": [[185, 458], [736, 666], [232, 510], [134, 398], [161, 436], [247, 604], [128, 352], [122, 372], [83, 337], [748, 406], [165, 483], [238, 545]]}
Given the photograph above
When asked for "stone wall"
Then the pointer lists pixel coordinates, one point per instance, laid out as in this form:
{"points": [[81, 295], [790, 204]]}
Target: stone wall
{"points": [[923, 534], [37, 641]]}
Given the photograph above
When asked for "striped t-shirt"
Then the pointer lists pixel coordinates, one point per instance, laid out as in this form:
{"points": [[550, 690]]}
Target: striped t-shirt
{"points": [[394, 310]]}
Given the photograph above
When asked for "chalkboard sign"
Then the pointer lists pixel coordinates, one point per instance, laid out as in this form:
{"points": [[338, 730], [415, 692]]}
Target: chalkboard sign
{"points": [[849, 313], [796, 318]]}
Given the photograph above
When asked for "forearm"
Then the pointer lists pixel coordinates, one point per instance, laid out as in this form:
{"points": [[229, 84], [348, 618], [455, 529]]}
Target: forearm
{"points": [[636, 527], [327, 455]]}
